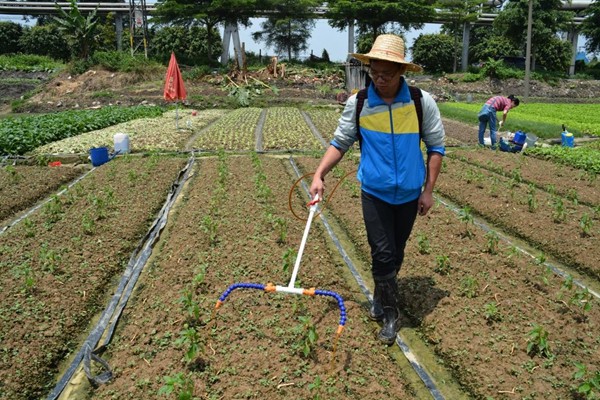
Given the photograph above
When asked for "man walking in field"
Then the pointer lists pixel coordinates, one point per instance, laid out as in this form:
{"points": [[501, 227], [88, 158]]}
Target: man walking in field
{"points": [[389, 119]]}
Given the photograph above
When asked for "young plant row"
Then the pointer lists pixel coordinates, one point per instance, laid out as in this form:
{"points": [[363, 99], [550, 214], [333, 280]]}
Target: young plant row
{"points": [[21, 186], [161, 133], [234, 131], [257, 344], [502, 322], [57, 266], [584, 158], [325, 120], [22, 134], [556, 225], [544, 175], [285, 129]]}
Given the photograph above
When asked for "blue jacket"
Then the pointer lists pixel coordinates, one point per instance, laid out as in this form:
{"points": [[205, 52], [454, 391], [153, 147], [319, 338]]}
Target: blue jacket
{"points": [[392, 166]]}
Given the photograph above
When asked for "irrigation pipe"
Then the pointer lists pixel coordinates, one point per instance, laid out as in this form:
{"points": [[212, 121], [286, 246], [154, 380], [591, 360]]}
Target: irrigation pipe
{"points": [[36, 207], [410, 356], [486, 228], [112, 312]]}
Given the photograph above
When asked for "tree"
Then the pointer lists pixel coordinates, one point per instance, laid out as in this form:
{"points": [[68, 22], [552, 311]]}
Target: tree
{"points": [[548, 19], [208, 13], [434, 52], [189, 44], [590, 27], [10, 33], [81, 30], [289, 27], [372, 17], [485, 43], [555, 55], [45, 40], [285, 35], [457, 13]]}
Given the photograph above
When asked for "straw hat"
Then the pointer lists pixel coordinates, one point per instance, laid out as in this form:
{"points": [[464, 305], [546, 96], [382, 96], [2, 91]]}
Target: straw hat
{"points": [[387, 48]]}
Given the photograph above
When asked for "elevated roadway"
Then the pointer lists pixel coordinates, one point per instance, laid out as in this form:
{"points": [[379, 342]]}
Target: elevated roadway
{"points": [[33, 8]]}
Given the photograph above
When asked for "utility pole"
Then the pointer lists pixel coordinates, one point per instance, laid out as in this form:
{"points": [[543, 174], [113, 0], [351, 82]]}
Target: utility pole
{"points": [[528, 49]]}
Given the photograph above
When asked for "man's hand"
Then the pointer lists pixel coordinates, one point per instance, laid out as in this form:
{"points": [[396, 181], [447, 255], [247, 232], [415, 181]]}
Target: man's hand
{"points": [[425, 202], [317, 187]]}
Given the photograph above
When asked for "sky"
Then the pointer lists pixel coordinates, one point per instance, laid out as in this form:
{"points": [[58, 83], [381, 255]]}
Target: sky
{"points": [[323, 37]]}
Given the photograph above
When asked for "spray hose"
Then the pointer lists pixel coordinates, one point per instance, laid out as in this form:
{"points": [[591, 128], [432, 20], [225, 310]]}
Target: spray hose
{"points": [[290, 288], [324, 203], [271, 288]]}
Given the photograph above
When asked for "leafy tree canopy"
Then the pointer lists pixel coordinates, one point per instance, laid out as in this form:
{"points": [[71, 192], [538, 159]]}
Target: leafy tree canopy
{"points": [[209, 12], [547, 19], [371, 17], [434, 52], [591, 27], [81, 30], [289, 28]]}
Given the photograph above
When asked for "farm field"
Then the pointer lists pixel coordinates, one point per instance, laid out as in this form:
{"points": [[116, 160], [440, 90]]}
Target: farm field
{"points": [[58, 264], [485, 319], [587, 121], [23, 185]]}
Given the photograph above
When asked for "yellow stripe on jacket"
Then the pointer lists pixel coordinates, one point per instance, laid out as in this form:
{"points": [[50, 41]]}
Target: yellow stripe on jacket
{"points": [[404, 118]]}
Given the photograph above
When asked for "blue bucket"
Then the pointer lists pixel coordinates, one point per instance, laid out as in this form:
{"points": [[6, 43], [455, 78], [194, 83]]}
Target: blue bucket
{"points": [[567, 139], [99, 156], [520, 138]]}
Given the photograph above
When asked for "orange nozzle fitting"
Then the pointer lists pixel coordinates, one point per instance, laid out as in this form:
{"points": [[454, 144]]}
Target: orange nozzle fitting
{"points": [[270, 287], [309, 292]]}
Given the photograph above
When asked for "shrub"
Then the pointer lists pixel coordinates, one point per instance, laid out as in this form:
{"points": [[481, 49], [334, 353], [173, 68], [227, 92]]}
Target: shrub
{"points": [[497, 69], [189, 44], [434, 52], [554, 56], [28, 63], [10, 33], [46, 40]]}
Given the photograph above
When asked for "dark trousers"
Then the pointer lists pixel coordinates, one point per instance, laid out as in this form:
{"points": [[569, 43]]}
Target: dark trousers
{"points": [[388, 229]]}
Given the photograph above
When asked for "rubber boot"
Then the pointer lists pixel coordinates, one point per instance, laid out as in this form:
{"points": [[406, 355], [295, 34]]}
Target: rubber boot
{"points": [[391, 314], [376, 310]]}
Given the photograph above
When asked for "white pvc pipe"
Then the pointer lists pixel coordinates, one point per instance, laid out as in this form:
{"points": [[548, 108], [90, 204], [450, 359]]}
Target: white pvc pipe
{"points": [[311, 214], [287, 289]]}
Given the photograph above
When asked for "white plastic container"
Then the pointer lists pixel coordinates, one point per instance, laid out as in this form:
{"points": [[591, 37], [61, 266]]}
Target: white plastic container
{"points": [[121, 143]]}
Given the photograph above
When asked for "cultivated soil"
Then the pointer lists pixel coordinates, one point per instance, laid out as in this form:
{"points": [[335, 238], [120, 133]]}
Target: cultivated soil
{"points": [[489, 308]]}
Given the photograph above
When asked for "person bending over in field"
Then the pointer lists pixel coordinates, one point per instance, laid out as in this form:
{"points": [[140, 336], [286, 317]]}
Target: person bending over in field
{"points": [[487, 115]]}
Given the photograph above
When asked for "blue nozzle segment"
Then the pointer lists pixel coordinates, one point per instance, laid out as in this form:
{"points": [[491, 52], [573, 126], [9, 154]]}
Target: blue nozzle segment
{"points": [[272, 288], [340, 301], [242, 285]]}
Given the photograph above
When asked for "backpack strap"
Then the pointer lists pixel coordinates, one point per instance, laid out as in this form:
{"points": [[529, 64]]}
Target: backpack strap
{"points": [[361, 96], [415, 95]]}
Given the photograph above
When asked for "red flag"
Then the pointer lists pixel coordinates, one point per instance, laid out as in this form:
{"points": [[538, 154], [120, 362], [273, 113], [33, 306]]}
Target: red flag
{"points": [[174, 89]]}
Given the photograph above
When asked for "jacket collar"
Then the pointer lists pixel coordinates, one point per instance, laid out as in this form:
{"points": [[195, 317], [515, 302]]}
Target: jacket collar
{"points": [[403, 95]]}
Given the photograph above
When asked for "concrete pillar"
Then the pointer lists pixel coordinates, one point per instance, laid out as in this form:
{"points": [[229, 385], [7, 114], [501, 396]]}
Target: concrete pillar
{"points": [[226, 39], [119, 30], [237, 46], [573, 37], [465, 49], [350, 39]]}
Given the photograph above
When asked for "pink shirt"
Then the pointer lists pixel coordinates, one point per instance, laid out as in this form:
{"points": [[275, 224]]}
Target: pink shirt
{"points": [[500, 103]]}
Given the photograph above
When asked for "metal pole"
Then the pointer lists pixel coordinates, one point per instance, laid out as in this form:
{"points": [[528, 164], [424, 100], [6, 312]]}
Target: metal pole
{"points": [[465, 49], [528, 50]]}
